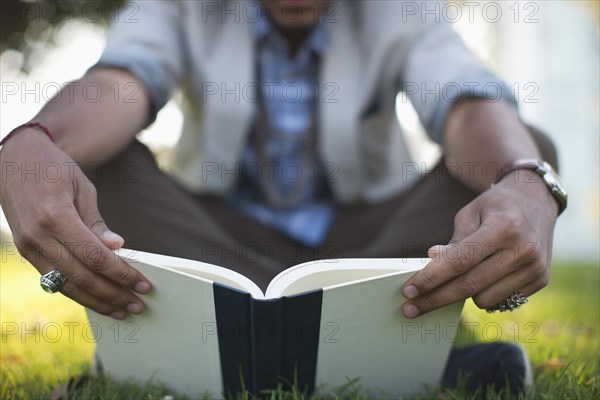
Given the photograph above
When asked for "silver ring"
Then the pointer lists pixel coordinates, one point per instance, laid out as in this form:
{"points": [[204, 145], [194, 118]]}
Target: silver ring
{"points": [[52, 281], [512, 302]]}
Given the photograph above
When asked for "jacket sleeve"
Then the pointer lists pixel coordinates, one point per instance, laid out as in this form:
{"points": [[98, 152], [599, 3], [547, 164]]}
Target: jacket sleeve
{"points": [[440, 69], [145, 38]]}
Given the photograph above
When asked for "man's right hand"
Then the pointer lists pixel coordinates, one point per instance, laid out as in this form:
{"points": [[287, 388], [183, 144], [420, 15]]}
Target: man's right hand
{"points": [[52, 211]]}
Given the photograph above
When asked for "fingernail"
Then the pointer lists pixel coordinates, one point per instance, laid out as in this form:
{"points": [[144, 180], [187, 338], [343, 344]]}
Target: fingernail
{"points": [[118, 315], [410, 311], [113, 238], [434, 250], [142, 287], [410, 292], [134, 308]]}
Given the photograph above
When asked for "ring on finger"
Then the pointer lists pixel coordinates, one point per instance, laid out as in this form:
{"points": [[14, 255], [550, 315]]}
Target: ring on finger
{"points": [[52, 281], [512, 302]]}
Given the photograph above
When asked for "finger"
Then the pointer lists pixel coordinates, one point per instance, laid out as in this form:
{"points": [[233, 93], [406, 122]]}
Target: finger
{"points": [[435, 251], [453, 260], [484, 275], [73, 234], [72, 291], [527, 280], [82, 277], [91, 302], [466, 222], [86, 204]]}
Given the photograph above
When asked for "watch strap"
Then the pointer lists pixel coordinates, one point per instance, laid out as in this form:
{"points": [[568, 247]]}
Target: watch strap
{"points": [[546, 172]]}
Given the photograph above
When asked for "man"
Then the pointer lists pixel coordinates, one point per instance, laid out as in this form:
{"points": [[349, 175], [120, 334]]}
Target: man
{"points": [[290, 152]]}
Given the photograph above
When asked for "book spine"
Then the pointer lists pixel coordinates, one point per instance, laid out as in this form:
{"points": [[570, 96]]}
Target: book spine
{"points": [[265, 343], [300, 339], [285, 339], [233, 309], [266, 320]]}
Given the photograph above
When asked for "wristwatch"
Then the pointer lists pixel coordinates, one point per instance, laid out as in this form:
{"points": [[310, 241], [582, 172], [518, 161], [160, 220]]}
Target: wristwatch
{"points": [[549, 176]]}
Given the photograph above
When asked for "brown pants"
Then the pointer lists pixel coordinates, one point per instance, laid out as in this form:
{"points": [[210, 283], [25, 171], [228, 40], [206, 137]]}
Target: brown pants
{"points": [[154, 214]]}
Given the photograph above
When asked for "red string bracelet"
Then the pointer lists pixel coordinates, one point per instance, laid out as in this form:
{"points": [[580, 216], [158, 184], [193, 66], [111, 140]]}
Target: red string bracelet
{"points": [[38, 125]]}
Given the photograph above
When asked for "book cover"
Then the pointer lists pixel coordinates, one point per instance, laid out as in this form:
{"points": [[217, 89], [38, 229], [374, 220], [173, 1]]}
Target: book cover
{"points": [[320, 325]]}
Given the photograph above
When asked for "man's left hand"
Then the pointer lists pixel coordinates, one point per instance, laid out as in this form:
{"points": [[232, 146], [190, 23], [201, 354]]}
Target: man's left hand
{"points": [[502, 243]]}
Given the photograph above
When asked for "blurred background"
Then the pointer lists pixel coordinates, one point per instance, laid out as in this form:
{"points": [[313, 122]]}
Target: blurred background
{"points": [[546, 51]]}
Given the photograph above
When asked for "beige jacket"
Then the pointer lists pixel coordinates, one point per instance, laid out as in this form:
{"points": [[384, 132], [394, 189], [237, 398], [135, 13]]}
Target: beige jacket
{"points": [[375, 49]]}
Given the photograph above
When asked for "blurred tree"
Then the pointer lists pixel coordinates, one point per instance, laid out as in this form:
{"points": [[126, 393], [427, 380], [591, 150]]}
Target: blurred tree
{"points": [[26, 25]]}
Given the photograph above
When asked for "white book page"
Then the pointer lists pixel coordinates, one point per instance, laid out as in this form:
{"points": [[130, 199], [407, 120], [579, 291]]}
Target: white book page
{"points": [[365, 336], [174, 341], [210, 272], [325, 273]]}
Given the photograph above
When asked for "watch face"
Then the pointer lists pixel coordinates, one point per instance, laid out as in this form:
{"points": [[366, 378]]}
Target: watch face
{"points": [[551, 179]]}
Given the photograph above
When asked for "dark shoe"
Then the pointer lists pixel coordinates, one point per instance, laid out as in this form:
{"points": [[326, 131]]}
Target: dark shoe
{"points": [[66, 391], [505, 366]]}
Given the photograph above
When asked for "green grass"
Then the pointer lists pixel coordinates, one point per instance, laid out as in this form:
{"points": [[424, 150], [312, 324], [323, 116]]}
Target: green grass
{"points": [[44, 341]]}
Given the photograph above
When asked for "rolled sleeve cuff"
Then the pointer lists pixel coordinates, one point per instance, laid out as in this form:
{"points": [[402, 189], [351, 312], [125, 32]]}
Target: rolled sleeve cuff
{"points": [[486, 86], [146, 70]]}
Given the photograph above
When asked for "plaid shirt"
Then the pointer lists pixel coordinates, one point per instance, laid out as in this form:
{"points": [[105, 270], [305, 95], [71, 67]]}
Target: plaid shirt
{"points": [[289, 88]]}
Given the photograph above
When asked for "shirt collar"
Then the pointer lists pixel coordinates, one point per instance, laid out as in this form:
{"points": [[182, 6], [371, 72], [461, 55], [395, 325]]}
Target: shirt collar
{"points": [[316, 41]]}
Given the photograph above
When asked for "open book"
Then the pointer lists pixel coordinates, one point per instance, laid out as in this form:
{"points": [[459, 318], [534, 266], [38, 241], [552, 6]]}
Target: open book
{"points": [[320, 325]]}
